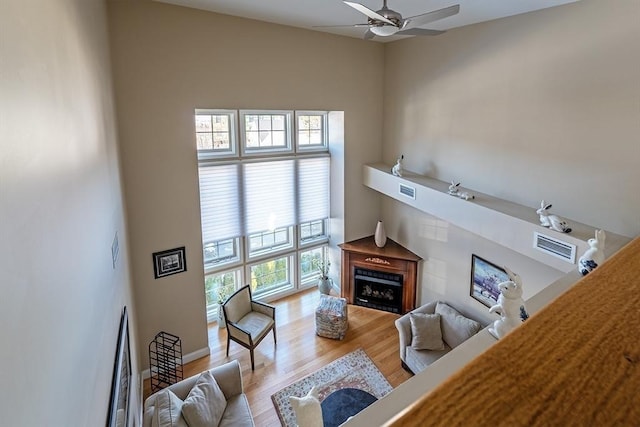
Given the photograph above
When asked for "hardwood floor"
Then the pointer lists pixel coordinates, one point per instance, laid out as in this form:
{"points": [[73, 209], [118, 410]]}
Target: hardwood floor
{"points": [[300, 352]]}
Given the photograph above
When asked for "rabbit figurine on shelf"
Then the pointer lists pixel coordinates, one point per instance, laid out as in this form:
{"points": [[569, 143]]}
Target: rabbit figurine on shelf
{"points": [[510, 306], [454, 190], [594, 256], [397, 169], [551, 221]]}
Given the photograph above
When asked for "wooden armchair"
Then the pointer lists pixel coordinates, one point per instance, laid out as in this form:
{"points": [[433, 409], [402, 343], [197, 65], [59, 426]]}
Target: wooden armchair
{"points": [[248, 321]]}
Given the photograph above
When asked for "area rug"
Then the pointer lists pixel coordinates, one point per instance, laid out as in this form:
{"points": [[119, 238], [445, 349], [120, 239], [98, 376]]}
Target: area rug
{"points": [[354, 370]]}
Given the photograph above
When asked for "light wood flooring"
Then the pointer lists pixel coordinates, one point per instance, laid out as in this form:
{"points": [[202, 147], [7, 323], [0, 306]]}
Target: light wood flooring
{"points": [[300, 352]]}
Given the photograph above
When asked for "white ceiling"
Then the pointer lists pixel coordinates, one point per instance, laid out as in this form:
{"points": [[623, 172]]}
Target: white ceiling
{"points": [[310, 13]]}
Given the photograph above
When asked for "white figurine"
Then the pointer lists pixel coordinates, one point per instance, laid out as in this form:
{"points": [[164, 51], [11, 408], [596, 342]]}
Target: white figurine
{"points": [[553, 222], [454, 190], [594, 256], [397, 169], [510, 306]]}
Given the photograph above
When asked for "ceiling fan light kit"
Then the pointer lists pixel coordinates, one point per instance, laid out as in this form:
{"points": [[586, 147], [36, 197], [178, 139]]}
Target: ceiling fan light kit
{"points": [[384, 31], [386, 22]]}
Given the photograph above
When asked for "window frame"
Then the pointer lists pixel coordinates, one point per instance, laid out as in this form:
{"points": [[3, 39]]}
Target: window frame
{"points": [[239, 154], [262, 151], [324, 146], [204, 154]]}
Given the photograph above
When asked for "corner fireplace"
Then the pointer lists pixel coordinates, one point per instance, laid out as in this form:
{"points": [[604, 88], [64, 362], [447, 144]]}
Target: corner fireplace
{"points": [[377, 289], [380, 278]]}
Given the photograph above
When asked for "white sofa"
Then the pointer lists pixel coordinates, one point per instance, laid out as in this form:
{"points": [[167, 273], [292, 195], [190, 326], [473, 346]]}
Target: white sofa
{"points": [[229, 379], [455, 328]]}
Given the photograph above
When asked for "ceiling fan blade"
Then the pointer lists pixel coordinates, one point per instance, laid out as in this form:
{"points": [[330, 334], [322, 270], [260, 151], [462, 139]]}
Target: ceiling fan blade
{"points": [[419, 32], [369, 35], [370, 13], [338, 26], [425, 18]]}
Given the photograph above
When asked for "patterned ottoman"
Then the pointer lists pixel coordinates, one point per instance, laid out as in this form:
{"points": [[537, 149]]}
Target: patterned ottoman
{"points": [[331, 317]]}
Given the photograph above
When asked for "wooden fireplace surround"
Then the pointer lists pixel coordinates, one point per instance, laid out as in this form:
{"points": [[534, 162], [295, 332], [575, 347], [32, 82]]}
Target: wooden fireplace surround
{"points": [[392, 258]]}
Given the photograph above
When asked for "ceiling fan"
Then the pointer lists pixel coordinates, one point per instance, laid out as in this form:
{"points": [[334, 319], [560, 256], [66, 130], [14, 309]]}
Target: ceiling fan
{"points": [[386, 22]]}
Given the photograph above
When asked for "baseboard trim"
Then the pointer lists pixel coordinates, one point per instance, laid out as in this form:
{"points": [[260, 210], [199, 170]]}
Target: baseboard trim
{"points": [[186, 359]]}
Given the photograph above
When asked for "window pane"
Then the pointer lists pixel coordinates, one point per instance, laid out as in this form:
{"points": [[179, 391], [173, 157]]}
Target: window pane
{"points": [[220, 123], [221, 141], [270, 241], [265, 139], [312, 230], [218, 287], [303, 122], [315, 122], [309, 262], [203, 123], [251, 122], [253, 139], [303, 138], [270, 275], [220, 252], [278, 139], [315, 137], [204, 141], [265, 122], [278, 122]]}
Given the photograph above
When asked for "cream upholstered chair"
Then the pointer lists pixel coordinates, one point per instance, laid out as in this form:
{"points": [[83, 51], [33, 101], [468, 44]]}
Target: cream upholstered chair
{"points": [[248, 321]]}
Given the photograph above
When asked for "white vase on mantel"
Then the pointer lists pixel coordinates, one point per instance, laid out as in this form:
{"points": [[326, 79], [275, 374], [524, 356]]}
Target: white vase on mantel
{"points": [[380, 237]]}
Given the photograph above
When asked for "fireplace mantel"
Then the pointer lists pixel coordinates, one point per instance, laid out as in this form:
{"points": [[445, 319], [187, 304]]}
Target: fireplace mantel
{"points": [[392, 258]]}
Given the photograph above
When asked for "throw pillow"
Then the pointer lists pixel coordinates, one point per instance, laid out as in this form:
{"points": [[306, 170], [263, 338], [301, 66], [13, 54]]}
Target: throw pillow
{"points": [[205, 403], [168, 411], [307, 409], [456, 328], [425, 331]]}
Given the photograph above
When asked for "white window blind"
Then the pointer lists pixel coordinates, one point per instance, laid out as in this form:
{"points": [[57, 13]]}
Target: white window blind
{"points": [[220, 203], [313, 178], [269, 191]]}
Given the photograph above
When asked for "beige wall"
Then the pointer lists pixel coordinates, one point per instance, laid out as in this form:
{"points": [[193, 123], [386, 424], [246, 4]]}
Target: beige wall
{"points": [[169, 60], [61, 205], [541, 105]]}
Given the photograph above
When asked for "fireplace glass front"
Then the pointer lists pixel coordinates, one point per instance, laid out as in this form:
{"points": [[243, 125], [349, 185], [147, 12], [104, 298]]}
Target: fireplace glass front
{"points": [[379, 290]]}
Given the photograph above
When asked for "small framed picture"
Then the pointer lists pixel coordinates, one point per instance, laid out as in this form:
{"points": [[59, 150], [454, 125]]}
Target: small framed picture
{"points": [[169, 262], [485, 277]]}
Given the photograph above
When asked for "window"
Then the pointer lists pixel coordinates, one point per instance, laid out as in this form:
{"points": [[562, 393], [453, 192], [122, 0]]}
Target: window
{"points": [[264, 218], [311, 231], [271, 275], [265, 131], [218, 287], [311, 130], [309, 260], [215, 132], [270, 241], [221, 252]]}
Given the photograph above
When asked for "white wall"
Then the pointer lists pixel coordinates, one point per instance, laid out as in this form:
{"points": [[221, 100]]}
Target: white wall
{"points": [[541, 105], [60, 207]]}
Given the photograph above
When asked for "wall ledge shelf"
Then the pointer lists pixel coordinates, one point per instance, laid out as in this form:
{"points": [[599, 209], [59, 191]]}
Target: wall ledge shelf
{"points": [[501, 221]]}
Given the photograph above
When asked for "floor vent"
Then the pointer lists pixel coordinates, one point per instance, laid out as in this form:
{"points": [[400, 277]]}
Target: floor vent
{"points": [[554, 247], [407, 191]]}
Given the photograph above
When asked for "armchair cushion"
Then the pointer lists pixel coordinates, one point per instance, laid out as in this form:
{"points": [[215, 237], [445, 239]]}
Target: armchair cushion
{"points": [[426, 332], [205, 404], [456, 328], [255, 324]]}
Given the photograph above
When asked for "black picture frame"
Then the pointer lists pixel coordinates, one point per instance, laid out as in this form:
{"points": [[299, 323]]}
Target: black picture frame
{"points": [[172, 261], [118, 415], [485, 277]]}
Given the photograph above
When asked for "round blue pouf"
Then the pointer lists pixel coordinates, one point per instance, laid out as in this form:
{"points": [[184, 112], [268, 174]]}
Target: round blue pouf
{"points": [[345, 403]]}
